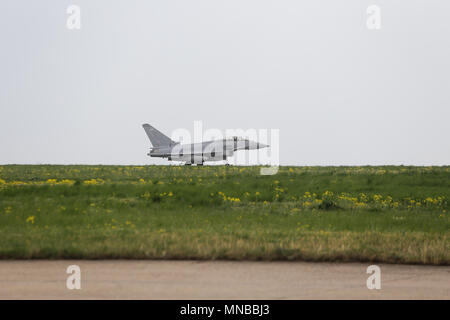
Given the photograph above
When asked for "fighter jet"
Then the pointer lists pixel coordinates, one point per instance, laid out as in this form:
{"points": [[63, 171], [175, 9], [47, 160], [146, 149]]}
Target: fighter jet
{"points": [[196, 153]]}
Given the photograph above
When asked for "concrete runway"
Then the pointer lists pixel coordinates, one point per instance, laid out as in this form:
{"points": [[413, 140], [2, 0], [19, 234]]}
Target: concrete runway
{"points": [[128, 279]]}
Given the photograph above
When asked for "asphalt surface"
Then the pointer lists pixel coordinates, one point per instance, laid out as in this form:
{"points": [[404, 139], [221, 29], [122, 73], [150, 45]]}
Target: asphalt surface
{"points": [[129, 279]]}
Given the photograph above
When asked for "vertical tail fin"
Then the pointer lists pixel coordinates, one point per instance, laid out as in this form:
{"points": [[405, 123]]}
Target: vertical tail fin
{"points": [[156, 137]]}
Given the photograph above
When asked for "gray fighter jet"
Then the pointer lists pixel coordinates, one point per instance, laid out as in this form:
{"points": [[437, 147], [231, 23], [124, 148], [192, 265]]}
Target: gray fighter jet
{"points": [[198, 153]]}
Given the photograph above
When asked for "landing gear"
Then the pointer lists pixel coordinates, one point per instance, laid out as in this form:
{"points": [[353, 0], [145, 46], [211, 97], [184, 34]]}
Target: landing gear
{"points": [[190, 164]]}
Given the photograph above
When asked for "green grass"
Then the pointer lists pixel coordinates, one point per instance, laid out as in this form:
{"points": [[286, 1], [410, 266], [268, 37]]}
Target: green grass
{"points": [[373, 214]]}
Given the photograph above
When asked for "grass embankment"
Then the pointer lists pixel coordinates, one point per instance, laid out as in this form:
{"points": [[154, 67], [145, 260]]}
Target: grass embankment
{"points": [[376, 214]]}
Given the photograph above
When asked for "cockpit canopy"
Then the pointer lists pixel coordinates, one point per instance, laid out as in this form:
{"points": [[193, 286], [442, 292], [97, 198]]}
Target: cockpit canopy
{"points": [[235, 138]]}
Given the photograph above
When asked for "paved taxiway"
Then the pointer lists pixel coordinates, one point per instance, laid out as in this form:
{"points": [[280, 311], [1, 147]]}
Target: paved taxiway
{"points": [[128, 279]]}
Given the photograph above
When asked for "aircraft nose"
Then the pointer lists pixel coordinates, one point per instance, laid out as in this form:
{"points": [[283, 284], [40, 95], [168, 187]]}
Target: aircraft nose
{"points": [[261, 145]]}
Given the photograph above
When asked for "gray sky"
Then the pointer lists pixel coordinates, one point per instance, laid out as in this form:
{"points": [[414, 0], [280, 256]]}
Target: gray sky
{"points": [[340, 94]]}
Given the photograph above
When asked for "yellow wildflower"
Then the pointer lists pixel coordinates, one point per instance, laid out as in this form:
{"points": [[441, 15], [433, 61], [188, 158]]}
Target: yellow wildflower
{"points": [[30, 219]]}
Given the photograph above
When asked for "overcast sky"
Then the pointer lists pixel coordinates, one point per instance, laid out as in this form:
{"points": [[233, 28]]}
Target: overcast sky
{"points": [[339, 93]]}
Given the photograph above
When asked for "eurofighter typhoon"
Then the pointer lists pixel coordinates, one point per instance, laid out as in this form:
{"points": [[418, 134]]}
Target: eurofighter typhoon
{"points": [[198, 153]]}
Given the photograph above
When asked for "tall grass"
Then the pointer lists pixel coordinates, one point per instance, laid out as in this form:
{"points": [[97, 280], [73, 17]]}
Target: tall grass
{"points": [[388, 214]]}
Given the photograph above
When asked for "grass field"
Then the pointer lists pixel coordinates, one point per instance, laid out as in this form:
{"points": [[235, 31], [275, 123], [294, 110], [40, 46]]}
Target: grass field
{"points": [[377, 214]]}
